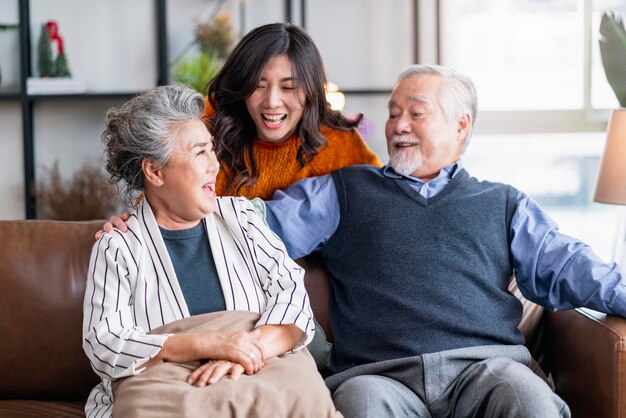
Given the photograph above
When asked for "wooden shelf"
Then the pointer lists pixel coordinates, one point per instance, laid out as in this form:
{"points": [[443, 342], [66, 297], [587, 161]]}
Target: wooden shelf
{"points": [[82, 96], [27, 101], [10, 97]]}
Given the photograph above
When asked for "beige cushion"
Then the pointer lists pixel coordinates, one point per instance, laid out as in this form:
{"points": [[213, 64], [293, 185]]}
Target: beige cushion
{"points": [[287, 386]]}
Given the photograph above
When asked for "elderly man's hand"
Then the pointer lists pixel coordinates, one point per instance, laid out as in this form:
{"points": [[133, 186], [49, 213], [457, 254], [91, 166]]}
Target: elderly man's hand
{"points": [[116, 221]]}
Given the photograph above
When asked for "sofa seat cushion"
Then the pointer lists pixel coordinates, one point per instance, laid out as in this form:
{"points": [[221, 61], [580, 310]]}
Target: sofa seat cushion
{"points": [[38, 409]]}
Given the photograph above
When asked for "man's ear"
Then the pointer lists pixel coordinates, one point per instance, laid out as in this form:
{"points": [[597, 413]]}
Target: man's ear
{"points": [[463, 126], [152, 172]]}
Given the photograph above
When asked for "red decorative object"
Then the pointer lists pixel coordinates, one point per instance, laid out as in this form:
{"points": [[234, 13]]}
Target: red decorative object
{"points": [[53, 31]]}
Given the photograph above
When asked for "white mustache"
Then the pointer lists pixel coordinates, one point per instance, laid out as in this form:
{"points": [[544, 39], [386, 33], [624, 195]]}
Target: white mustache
{"points": [[404, 139]]}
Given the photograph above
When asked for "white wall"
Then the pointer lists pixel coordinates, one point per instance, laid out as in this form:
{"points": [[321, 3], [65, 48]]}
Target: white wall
{"points": [[69, 132], [374, 109], [11, 161], [11, 185], [363, 47], [109, 44]]}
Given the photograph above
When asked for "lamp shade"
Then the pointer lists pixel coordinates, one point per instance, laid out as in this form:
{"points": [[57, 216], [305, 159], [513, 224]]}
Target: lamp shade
{"points": [[611, 187]]}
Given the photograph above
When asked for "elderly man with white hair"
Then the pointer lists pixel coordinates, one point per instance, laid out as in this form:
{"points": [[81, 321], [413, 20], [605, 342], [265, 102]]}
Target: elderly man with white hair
{"points": [[421, 253]]}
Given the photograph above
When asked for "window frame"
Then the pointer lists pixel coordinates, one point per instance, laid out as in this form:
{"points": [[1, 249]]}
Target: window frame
{"points": [[584, 119]]}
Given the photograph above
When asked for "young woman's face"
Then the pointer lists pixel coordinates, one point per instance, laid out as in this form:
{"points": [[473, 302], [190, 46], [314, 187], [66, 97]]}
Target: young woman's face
{"points": [[277, 103]]}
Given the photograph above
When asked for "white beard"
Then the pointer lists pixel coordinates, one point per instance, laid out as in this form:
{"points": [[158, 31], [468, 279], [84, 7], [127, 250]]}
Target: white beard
{"points": [[405, 160]]}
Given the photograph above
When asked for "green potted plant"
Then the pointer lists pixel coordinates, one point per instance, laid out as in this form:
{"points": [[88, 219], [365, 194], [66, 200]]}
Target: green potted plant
{"points": [[613, 53], [216, 35], [213, 39], [197, 69]]}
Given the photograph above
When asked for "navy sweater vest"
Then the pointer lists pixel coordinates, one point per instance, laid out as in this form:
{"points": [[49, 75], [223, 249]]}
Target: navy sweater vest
{"points": [[415, 275]]}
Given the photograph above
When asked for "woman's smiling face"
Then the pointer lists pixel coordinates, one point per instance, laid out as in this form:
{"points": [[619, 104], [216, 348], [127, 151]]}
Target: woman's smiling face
{"points": [[277, 104], [185, 190]]}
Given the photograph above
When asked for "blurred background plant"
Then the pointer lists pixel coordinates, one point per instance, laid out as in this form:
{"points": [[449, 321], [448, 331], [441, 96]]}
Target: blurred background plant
{"points": [[87, 195], [45, 61], [197, 69], [212, 41], [613, 52], [217, 35]]}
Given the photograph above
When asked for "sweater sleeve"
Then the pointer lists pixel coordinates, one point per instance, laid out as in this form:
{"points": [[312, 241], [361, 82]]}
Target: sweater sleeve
{"points": [[345, 148], [115, 345]]}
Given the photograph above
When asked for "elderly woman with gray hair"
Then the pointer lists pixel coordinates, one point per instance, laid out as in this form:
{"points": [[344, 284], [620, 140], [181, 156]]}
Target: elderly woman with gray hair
{"points": [[187, 255]]}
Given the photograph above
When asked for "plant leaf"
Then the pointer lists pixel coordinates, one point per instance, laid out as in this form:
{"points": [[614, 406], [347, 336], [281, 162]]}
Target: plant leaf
{"points": [[613, 53], [197, 70]]}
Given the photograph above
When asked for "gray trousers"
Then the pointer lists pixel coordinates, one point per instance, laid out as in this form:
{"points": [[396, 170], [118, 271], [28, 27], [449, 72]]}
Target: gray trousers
{"points": [[487, 381]]}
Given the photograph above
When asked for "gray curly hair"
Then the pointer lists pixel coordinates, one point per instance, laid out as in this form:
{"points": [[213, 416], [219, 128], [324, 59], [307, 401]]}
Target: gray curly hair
{"points": [[145, 127]]}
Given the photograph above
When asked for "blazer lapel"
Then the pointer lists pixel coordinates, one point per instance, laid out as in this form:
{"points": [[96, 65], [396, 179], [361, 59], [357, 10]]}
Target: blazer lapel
{"points": [[220, 240], [166, 276]]}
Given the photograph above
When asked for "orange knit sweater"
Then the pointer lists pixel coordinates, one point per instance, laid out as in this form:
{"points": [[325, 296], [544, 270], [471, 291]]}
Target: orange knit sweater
{"points": [[278, 166]]}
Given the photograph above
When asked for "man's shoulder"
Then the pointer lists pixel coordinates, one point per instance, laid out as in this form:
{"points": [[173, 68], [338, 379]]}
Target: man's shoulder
{"points": [[360, 168], [355, 176], [358, 172], [491, 185], [493, 188]]}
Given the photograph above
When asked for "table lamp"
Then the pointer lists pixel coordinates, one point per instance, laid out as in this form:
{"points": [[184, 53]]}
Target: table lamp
{"points": [[335, 97], [611, 187]]}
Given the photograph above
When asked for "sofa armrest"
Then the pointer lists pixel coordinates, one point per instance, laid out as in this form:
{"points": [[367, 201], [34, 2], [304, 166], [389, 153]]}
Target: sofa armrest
{"points": [[586, 355]]}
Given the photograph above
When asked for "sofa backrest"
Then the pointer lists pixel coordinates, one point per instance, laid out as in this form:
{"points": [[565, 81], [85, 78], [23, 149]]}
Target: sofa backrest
{"points": [[43, 270]]}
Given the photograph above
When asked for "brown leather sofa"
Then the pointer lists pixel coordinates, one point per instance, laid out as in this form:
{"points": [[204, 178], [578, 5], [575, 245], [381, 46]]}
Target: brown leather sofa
{"points": [[44, 372]]}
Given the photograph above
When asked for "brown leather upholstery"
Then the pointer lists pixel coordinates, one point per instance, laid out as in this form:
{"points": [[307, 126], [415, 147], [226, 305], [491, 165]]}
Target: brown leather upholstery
{"points": [[530, 324], [586, 353], [318, 288], [43, 267], [44, 372], [38, 409]]}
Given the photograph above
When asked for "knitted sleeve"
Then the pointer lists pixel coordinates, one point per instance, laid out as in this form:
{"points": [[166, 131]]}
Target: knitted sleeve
{"points": [[344, 148]]}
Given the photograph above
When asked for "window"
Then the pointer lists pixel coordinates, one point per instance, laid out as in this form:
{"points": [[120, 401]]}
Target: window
{"points": [[516, 51], [543, 100]]}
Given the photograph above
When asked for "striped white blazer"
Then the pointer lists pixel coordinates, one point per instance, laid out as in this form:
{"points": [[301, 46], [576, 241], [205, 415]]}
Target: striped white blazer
{"points": [[132, 288]]}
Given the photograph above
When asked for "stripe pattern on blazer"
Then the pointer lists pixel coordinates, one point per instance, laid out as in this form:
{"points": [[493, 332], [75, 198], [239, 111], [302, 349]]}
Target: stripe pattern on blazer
{"points": [[132, 288]]}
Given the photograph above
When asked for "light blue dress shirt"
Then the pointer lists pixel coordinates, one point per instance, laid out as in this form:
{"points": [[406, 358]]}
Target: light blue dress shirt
{"points": [[551, 268]]}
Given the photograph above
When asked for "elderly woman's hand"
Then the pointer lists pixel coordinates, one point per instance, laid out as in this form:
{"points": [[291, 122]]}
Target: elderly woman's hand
{"points": [[116, 221], [212, 371], [240, 347]]}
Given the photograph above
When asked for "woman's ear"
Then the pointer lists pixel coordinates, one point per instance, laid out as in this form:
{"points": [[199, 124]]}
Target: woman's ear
{"points": [[152, 172]]}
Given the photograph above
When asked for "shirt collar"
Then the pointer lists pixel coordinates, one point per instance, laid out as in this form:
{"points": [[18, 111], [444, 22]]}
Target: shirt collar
{"points": [[448, 172]]}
